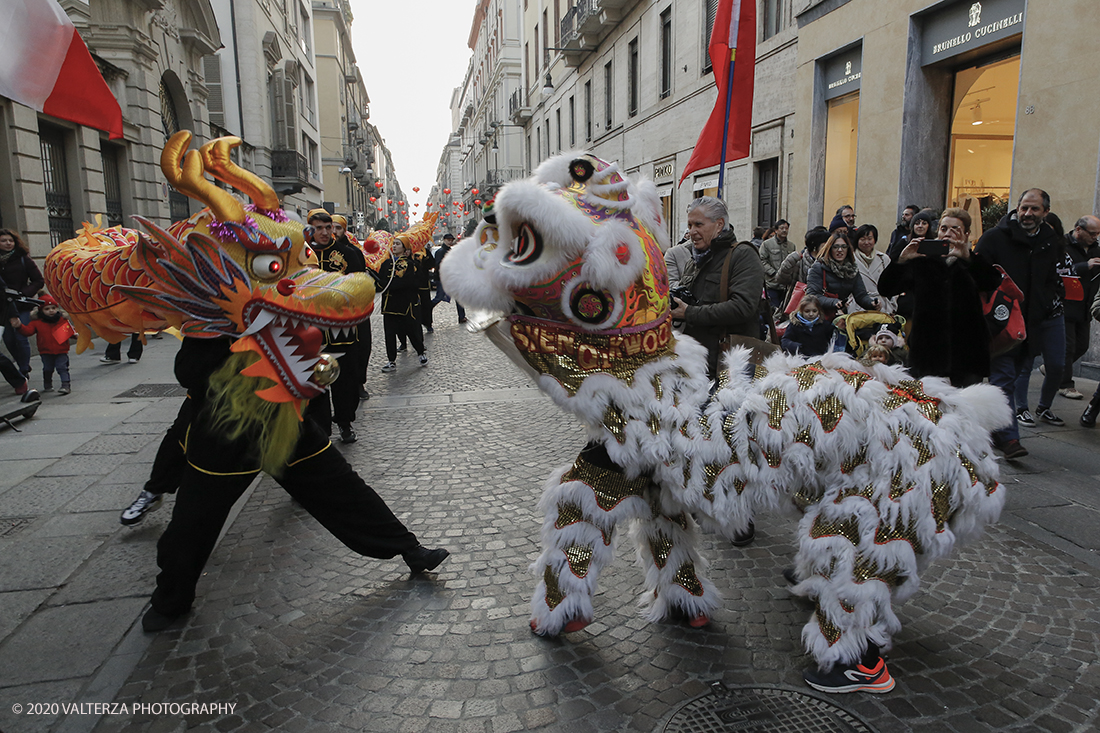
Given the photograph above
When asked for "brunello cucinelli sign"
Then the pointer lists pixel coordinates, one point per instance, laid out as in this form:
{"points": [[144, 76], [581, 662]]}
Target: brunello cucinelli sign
{"points": [[842, 72], [964, 26]]}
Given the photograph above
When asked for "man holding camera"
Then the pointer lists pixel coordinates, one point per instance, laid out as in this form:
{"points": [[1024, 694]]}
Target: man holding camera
{"points": [[717, 258]]}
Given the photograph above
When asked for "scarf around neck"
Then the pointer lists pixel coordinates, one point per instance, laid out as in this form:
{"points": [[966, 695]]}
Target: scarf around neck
{"points": [[845, 270]]}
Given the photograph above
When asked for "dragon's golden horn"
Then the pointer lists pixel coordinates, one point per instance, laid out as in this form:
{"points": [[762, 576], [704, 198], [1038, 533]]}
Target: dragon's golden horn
{"points": [[216, 160], [184, 170]]}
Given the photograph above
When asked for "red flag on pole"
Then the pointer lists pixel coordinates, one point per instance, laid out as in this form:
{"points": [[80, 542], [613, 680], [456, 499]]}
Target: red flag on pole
{"points": [[732, 42], [45, 65]]}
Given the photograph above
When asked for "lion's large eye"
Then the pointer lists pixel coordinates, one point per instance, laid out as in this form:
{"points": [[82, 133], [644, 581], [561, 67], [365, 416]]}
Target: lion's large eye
{"points": [[526, 247], [267, 267]]}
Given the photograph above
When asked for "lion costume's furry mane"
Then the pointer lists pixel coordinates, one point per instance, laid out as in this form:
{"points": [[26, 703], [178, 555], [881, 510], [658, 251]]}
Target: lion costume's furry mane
{"points": [[888, 472]]}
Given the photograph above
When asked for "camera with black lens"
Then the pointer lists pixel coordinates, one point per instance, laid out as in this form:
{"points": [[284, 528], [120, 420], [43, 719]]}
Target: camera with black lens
{"points": [[684, 295]]}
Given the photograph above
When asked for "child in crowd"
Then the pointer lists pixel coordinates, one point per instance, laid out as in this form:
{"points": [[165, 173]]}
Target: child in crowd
{"points": [[876, 354], [52, 332], [893, 342], [807, 332]]}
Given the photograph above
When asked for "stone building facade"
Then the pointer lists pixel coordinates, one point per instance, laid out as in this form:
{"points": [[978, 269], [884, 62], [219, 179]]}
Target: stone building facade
{"points": [[60, 174]]}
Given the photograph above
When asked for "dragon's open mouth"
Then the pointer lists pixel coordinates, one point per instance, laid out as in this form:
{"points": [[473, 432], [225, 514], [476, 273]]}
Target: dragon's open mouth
{"points": [[292, 343]]}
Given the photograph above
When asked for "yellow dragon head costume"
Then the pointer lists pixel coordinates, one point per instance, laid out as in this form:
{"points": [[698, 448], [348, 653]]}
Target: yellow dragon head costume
{"points": [[232, 269]]}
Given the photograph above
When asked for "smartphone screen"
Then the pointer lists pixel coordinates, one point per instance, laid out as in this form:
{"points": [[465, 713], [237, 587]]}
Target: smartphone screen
{"points": [[934, 247]]}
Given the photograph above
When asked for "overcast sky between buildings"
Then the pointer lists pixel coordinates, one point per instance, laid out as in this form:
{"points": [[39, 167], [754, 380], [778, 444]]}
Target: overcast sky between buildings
{"points": [[412, 55]]}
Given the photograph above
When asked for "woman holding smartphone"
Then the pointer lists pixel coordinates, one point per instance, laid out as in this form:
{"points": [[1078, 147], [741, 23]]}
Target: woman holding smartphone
{"points": [[949, 337]]}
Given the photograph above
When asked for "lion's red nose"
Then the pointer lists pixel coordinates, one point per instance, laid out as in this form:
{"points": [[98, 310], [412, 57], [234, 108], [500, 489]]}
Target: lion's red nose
{"points": [[285, 286]]}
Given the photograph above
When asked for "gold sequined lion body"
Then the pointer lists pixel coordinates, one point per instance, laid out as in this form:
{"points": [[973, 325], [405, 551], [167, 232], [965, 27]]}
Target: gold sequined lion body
{"points": [[888, 472]]}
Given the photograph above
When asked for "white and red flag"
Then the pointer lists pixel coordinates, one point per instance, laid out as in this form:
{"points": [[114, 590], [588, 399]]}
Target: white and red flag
{"points": [[45, 65], [725, 136]]}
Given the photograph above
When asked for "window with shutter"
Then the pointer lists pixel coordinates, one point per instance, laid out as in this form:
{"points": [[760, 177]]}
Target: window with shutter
{"points": [[278, 110], [215, 104], [712, 9], [291, 115]]}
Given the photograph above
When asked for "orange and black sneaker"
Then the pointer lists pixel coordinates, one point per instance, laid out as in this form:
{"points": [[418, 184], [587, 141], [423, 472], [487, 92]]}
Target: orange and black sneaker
{"points": [[851, 678]]}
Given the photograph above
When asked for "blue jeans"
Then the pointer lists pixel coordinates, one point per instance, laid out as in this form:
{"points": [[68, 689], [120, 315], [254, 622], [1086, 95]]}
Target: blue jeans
{"points": [[1005, 371], [18, 345], [1052, 346], [441, 296], [51, 362]]}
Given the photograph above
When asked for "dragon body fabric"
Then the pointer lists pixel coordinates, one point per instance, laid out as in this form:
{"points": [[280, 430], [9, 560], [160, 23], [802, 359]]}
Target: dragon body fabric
{"points": [[887, 472]]}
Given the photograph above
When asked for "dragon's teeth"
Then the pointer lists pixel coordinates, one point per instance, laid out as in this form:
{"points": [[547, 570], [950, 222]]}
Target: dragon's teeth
{"points": [[262, 319]]}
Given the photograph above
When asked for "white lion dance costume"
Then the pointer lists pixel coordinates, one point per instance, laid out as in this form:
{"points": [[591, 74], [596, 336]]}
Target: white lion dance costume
{"points": [[887, 471]]}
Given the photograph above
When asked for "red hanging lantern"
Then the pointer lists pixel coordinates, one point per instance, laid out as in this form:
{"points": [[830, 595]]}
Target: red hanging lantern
{"points": [[378, 184], [477, 201], [416, 189], [379, 208], [400, 203], [415, 205], [389, 201], [474, 191], [373, 199], [447, 191]]}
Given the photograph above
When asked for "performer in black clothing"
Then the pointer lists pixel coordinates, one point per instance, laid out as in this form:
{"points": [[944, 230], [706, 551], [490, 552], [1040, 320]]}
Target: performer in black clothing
{"points": [[338, 256], [219, 469]]}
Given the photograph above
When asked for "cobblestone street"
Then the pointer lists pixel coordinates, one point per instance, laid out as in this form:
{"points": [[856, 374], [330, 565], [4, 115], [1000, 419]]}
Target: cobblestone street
{"points": [[301, 634]]}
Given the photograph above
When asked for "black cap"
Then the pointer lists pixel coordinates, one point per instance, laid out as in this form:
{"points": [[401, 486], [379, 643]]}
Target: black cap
{"points": [[448, 235]]}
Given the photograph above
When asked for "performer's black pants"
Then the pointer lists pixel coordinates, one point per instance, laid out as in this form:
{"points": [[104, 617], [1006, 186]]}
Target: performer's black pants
{"points": [[320, 480], [425, 306], [170, 461], [401, 326]]}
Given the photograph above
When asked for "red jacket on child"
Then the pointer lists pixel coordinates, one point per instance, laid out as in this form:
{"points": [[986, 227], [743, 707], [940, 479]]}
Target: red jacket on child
{"points": [[53, 338]]}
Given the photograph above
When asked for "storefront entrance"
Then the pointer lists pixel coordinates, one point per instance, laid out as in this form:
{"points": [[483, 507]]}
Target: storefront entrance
{"points": [[983, 126]]}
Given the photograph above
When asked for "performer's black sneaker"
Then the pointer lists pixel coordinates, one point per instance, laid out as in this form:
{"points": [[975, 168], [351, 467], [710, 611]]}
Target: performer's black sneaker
{"points": [[154, 621], [851, 678], [347, 433], [421, 559], [145, 502]]}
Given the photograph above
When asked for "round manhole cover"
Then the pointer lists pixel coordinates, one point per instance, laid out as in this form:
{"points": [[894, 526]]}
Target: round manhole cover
{"points": [[762, 710]]}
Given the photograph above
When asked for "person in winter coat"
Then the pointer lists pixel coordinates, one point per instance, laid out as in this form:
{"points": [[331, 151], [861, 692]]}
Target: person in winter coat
{"points": [[870, 263], [1030, 251], [8, 369], [834, 278], [807, 332], [52, 332], [902, 229], [845, 218], [921, 225], [796, 267], [949, 337], [20, 273], [676, 259], [1083, 264], [715, 314], [773, 252]]}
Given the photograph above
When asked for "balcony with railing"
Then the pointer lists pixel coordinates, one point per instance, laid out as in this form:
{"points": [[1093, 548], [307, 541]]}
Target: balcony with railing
{"points": [[500, 176], [289, 171], [519, 109], [587, 24]]}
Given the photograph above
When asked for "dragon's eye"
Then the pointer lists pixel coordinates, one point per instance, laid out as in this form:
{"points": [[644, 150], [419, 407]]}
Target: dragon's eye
{"points": [[527, 246], [266, 267]]}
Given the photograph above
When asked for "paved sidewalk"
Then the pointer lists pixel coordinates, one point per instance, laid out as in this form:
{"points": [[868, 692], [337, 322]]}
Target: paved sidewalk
{"points": [[298, 633]]}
